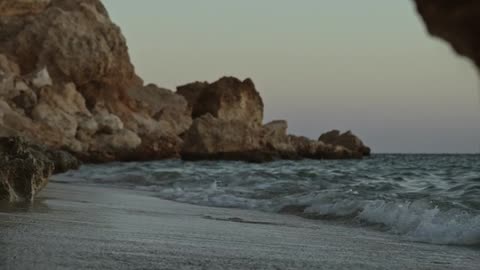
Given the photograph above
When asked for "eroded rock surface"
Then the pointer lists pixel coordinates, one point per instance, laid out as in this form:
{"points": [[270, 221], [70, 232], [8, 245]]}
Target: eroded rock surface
{"points": [[229, 99], [276, 139], [26, 168], [213, 138], [166, 106], [65, 76]]}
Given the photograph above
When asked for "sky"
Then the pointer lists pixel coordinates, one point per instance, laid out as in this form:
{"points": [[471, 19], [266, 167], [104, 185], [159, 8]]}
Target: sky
{"points": [[365, 66]]}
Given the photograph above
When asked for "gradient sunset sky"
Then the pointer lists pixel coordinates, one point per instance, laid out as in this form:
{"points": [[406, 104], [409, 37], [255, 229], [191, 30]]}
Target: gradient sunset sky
{"points": [[365, 66]]}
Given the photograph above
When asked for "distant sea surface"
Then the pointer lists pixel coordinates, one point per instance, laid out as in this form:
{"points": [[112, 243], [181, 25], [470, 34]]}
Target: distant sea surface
{"points": [[422, 198]]}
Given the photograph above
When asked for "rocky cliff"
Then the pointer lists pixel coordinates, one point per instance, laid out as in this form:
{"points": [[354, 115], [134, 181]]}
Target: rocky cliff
{"points": [[66, 80]]}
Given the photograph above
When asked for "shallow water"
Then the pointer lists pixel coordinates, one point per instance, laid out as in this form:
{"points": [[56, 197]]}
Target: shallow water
{"points": [[425, 198]]}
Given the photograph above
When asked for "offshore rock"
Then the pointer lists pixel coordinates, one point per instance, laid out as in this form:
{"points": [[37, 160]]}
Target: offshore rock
{"points": [[305, 147], [347, 140], [277, 140], [228, 99], [218, 139]]}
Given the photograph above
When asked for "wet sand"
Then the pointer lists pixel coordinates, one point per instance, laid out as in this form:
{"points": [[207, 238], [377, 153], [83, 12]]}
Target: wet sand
{"points": [[88, 227]]}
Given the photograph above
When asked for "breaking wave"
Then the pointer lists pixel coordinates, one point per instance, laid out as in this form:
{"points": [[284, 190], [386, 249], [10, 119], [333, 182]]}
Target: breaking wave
{"points": [[426, 198]]}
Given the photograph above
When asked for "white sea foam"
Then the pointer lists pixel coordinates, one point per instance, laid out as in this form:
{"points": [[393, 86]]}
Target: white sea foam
{"points": [[400, 193], [422, 223], [415, 221]]}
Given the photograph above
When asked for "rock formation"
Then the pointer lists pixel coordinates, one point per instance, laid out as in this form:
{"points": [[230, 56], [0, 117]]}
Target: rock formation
{"points": [[227, 99], [305, 147], [25, 168], [66, 80], [275, 138], [214, 138], [227, 121], [347, 140], [456, 22], [167, 107], [222, 128]]}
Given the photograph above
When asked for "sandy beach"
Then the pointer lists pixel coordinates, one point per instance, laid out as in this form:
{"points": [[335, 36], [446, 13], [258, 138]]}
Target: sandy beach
{"points": [[88, 227]]}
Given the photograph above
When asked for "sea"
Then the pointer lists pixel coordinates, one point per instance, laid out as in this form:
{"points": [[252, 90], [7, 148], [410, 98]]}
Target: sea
{"points": [[424, 198]]}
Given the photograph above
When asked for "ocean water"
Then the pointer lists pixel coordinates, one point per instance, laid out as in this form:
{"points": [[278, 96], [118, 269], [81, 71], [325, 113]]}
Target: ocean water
{"points": [[422, 198]]}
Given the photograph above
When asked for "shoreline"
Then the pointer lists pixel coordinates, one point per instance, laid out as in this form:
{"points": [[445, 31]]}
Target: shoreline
{"points": [[77, 226]]}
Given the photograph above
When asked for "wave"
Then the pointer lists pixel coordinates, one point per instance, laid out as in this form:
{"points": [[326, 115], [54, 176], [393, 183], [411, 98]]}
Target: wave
{"points": [[416, 221], [432, 199]]}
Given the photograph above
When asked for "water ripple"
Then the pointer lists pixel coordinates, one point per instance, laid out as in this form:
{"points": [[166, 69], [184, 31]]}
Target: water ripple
{"points": [[429, 198]]}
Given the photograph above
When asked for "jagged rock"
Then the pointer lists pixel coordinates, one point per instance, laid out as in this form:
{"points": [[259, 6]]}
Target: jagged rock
{"points": [[74, 60], [125, 140], [63, 161], [276, 139], [456, 22], [304, 147], [228, 99], [191, 92], [312, 149], [165, 106], [159, 145], [330, 136], [108, 123], [213, 138], [348, 140], [74, 39], [227, 117], [25, 168], [129, 148]]}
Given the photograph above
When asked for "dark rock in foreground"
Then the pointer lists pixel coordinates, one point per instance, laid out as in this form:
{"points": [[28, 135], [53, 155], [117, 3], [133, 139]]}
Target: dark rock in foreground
{"points": [[26, 168], [455, 21]]}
